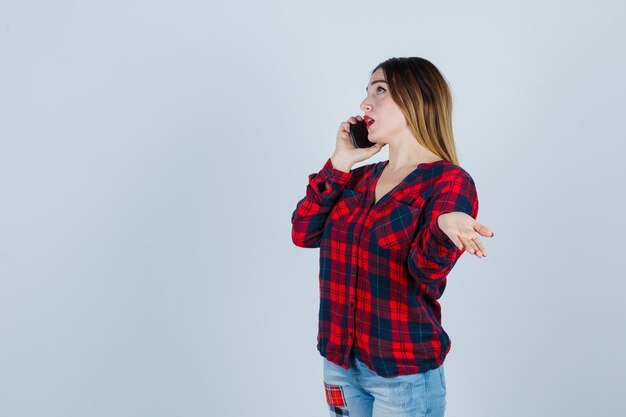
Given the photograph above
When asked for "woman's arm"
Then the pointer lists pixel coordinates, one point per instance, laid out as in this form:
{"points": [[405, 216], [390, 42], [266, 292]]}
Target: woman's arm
{"points": [[433, 253], [322, 192], [325, 187]]}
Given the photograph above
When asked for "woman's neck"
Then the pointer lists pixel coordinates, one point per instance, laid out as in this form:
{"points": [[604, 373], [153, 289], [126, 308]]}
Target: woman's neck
{"points": [[406, 154]]}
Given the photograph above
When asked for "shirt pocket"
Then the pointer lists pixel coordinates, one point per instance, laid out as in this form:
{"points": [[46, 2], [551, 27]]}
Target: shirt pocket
{"points": [[346, 207], [396, 228]]}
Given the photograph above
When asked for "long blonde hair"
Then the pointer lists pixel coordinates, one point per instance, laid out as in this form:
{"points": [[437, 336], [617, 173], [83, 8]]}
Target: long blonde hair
{"points": [[423, 94]]}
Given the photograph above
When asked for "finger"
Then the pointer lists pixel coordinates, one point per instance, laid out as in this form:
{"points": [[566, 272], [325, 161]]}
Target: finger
{"points": [[483, 230], [346, 126], [343, 133], [469, 245], [475, 242], [359, 118], [466, 245], [476, 252], [457, 242], [352, 119], [480, 246]]}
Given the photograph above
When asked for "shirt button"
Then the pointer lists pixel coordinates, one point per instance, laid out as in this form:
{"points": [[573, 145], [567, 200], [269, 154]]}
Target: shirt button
{"points": [[352, 303]]}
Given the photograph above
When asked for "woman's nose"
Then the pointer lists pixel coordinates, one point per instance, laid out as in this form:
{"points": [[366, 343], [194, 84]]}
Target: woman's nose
{"points": [[365, 107]]}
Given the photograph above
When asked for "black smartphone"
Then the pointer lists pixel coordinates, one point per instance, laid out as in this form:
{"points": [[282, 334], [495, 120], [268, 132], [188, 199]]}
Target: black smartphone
{"points": [[358, 133]]}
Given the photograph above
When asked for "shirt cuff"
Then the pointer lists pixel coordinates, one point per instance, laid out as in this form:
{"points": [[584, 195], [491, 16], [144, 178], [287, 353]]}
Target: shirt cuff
{"points": [[439, 236], [332, 174]]}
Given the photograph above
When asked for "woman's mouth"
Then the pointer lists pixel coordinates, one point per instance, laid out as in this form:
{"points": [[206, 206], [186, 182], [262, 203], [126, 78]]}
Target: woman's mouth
{"points": [[368, 121]]}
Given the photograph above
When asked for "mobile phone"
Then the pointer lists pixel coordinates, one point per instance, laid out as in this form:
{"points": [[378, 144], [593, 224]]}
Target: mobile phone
{"points": [[358, 133]]}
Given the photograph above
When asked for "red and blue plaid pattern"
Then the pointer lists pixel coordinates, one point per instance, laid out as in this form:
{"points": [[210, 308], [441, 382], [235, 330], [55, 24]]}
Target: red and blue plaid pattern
{"points": [[383, 266], [334, 395]]}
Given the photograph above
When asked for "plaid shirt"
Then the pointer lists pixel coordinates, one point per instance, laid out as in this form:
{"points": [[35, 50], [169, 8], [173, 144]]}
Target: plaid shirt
{"points": [[383, 266]]}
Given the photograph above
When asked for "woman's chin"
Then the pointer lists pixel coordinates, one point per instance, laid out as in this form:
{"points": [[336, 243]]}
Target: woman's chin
{"points": [[375, 139]]}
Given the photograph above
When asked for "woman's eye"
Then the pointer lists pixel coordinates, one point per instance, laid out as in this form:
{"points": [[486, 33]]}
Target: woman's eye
{"points": [[380, 88]]}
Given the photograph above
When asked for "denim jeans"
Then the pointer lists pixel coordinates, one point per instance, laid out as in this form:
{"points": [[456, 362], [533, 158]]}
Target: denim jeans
{"points": [[360, 392]]}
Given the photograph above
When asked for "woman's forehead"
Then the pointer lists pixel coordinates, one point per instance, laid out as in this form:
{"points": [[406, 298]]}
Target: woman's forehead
{"points": [[378, 74]]}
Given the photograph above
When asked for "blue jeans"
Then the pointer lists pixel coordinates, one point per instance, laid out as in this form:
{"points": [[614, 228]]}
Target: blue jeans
{"points": [[360, 392]]}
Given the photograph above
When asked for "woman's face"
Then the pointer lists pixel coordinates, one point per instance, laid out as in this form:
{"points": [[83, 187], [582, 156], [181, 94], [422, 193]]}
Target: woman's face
{"points": [[386, 117]]}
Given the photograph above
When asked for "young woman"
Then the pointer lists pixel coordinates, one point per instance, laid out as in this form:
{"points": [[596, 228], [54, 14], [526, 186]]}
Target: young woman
{"points": [[389, 233]]}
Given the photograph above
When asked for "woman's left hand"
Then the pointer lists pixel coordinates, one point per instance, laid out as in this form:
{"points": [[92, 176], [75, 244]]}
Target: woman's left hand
{"points": [[464, 231]]}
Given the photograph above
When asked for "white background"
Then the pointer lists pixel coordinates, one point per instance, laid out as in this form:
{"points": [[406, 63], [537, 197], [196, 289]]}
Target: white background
{"points": [[152, 153]]}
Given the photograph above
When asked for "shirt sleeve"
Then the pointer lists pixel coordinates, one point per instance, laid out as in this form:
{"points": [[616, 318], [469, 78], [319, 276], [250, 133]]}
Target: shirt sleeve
{"points": [[322, 192], [433, 253]]}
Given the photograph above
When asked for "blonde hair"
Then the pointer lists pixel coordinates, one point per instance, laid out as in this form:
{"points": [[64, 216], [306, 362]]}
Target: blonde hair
{"points": [[423, 94]]}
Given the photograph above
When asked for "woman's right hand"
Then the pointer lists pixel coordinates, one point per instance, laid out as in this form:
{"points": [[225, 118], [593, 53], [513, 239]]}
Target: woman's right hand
{"points": [[346, 154]]}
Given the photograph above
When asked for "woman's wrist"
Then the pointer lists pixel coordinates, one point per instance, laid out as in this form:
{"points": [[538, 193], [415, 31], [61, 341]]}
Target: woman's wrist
{"points": [[341, 164]]}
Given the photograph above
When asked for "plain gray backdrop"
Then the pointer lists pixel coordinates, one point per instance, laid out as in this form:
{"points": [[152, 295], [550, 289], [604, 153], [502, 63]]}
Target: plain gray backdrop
{"points": [[152, 153]]}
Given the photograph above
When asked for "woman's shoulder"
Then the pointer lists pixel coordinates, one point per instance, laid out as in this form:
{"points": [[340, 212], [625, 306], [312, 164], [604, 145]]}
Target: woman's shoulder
{"points": [[452, 172], [443, 177], [455, 183]]}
